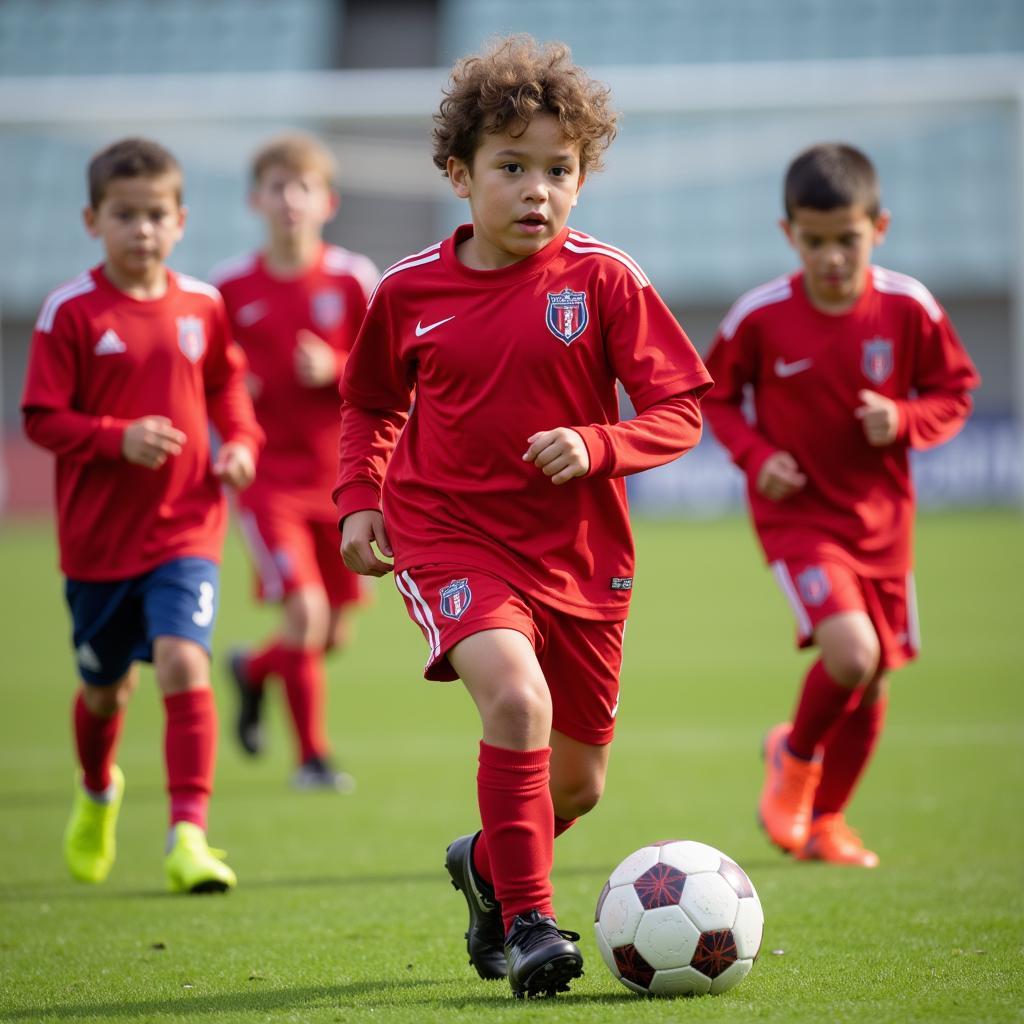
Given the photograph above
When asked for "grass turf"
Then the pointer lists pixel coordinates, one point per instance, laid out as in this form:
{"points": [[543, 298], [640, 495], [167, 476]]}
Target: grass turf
{"points": [[344, 913]]}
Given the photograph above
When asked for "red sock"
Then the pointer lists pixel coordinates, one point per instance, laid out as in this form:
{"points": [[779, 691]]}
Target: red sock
{"points": [[848, 748], [264, 663], [821, 704], [482, 862], [190, 748], [306, 690], [96, 741], [518, 823]]}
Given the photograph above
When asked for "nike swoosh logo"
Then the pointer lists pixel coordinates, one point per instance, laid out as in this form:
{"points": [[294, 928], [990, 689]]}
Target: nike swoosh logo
{"points": [[784, 369], [421, 330]]}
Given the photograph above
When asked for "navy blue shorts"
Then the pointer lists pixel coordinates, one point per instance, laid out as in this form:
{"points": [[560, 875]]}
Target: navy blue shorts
{"points": [[116, 623]]}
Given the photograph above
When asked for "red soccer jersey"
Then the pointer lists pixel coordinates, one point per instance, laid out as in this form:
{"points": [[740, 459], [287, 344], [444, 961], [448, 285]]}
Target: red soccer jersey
{"points": [[495, 356], [805, 368], [300, 458], [101, 359]]}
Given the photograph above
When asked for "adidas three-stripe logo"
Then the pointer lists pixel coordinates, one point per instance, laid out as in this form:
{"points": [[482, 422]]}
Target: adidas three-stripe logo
{"points": [[109, 344]]}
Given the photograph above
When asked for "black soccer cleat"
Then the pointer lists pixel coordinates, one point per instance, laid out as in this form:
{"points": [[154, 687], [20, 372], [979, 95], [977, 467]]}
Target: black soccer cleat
{"points": [[250, 703], [542, 958], [321, 773], [485, 937]]}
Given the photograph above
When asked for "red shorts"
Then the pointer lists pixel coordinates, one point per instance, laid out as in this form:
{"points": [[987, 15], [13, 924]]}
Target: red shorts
{"points": [[580, 658], [290, 551], [821, 588]]}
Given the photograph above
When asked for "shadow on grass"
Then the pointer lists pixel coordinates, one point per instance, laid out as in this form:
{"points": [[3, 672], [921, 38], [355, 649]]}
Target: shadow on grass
{"points": [[358, 994], [48, 891]]}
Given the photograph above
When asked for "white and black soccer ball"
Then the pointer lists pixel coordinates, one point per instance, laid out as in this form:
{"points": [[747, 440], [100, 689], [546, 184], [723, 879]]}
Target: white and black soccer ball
{"points": [[679, 918]]}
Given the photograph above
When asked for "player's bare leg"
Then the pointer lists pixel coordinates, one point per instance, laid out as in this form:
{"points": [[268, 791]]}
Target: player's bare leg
{"points": [[90, 837], [578, 772], [183, 674], [500, 670]]}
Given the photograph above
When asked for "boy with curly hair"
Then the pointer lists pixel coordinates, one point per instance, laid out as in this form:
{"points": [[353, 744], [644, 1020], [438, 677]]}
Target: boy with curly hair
{"points": [[501, 495]]}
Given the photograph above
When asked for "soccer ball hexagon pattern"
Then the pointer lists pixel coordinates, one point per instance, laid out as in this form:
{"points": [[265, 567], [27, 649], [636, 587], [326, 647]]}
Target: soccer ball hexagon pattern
{"points": [[679, 918]]}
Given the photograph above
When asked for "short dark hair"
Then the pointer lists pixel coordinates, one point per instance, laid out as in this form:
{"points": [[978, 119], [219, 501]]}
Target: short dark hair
{"points": [[131, 158], [831, 175], [506, 85]]}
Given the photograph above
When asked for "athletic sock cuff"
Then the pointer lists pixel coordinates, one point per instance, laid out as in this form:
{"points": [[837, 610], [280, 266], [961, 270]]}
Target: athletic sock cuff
{"points": [[514, 760]]}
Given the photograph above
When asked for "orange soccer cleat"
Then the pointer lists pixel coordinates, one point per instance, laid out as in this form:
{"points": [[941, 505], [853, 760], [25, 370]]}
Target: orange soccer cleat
{"points": [[832, 840], [788, 792]]}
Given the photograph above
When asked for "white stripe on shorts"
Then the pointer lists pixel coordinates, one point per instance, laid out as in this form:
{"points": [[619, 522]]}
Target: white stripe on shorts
{"points": [[785, 582], [421, 610], [913, 622], [270, 575]]}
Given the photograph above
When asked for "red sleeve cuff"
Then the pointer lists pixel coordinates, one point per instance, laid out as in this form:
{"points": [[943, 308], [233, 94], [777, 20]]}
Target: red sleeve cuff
{"points": [[110, 437], [598, 449], [357, 497]]}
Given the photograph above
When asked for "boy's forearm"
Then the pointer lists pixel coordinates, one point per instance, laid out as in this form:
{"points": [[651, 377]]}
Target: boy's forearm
{"points": [[76, 435], [747, 448], [659, 434], [367, 439], [933, 418], [231, 413]]}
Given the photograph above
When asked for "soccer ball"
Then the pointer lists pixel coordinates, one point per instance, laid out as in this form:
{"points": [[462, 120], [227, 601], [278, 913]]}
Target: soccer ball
{"points": [[679, 918]]}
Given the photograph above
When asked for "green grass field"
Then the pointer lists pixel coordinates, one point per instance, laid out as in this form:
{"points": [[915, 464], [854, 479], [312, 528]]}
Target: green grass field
{"points": [[344, 912]]}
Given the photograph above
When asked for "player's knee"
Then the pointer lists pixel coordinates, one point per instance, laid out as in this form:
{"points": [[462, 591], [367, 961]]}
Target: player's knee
{"points": [[306, 619], [181, 666], [520, 709], [854, 664]]}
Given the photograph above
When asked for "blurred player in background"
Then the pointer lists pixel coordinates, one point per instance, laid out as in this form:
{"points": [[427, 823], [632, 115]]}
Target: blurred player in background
{"points": [[504, 498], [850, 366], [295, 308], [130, 363]]}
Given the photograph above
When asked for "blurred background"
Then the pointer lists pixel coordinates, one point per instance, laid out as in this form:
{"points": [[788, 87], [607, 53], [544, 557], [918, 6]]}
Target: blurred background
{"points": [[716, 97]]}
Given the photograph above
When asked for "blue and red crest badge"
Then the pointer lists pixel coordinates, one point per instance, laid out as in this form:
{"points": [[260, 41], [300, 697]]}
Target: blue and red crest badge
{"points": [[191, 337], [455, 598], [567, 316], [328, 308], [813, 585], [876, 361]]}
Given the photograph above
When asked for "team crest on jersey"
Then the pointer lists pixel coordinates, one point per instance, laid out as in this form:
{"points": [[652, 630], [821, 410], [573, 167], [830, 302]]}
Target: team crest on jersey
{"points": [[328, 308], [813, 585], [876, 361], [455, 598], [191, 337], [567, 316]]}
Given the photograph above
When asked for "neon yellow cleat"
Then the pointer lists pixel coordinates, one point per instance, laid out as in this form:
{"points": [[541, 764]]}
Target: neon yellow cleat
{"points": [[90, 843], [192, 866]]}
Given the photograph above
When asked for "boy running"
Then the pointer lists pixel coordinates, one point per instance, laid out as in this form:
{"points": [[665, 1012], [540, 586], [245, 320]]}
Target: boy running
{"points": [[851, 366], [130, 363], [295, 309], [502, 494]]}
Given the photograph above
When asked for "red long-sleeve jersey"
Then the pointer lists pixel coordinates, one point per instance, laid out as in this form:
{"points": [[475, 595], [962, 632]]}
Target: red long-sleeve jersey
{"points": [[805, 369], [101, 359], [267, 312], [495, 356]]}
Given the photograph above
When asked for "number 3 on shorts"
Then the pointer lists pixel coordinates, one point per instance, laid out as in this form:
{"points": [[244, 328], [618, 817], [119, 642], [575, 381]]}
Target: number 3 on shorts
{"points": [[203, 616]]}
